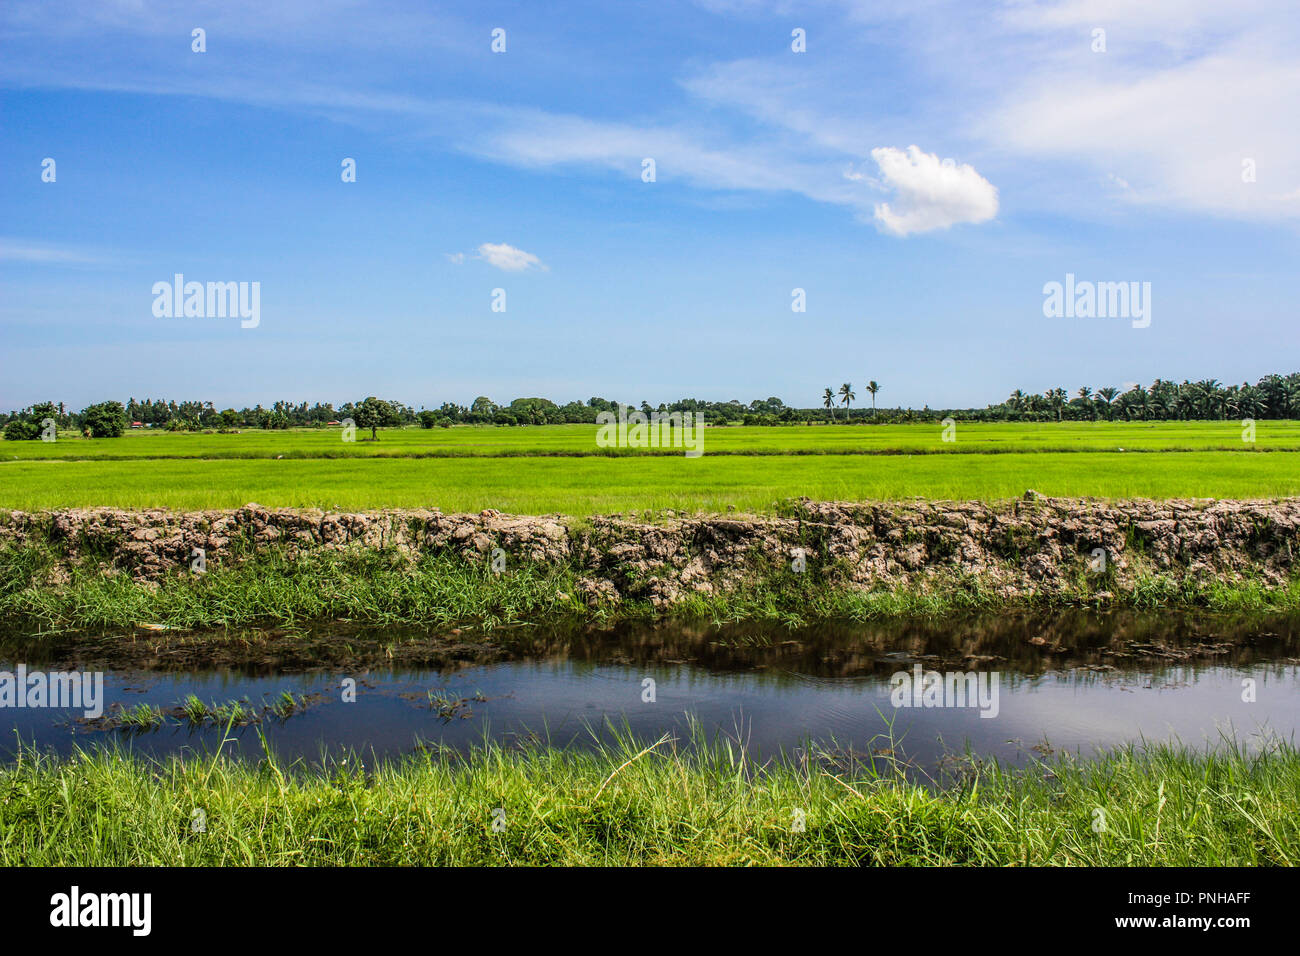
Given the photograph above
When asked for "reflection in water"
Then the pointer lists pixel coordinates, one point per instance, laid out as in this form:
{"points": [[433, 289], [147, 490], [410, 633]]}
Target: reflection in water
{"points": [[1071, 681]]}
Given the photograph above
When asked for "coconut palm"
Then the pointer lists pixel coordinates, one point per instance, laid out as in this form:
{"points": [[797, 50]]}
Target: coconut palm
{"points": [[873, 387], [1056, 399], [847, 397], [1106, 396], [828, 399]]}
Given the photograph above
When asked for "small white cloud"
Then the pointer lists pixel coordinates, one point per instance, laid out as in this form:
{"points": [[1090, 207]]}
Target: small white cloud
{"points": [[930, 193], [508, 258], [455, 258]]}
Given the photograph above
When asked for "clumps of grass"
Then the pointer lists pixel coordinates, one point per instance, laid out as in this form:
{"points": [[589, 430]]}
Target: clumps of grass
{"points": [[139, 719], [236, 713], [636, 803], [286, 705], [448, 707], [143, 718]]}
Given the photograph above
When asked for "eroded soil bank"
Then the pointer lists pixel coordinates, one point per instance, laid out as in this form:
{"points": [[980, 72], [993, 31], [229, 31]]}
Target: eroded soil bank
{"points": [[1033, 548]]}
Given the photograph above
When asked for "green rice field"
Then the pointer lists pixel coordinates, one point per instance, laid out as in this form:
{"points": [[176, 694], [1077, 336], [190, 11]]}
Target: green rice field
{"points": [[579, 440], [544, 469]]}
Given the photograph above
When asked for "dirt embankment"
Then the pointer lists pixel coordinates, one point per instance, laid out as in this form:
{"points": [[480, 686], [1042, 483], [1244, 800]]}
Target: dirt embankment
{"points": [[1032, 546]]}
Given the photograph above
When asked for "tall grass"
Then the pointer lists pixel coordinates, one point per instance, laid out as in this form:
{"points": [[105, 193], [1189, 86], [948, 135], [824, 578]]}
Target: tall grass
{"points": [[638, 803]]}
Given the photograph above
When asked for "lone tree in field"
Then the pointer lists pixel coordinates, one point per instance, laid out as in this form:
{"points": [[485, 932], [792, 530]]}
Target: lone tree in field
{"points": [[375, 413], [847, 396], [873, 387], [105, 420], [828, 399]]}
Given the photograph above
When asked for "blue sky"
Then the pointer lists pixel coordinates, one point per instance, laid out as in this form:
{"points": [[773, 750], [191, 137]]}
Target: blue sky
{"points": [[522, 170]]}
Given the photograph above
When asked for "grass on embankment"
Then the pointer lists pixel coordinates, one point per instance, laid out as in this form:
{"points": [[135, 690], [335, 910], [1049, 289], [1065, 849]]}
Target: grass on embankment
{"points": [[382, 588], [630, 805], [586, 486]]}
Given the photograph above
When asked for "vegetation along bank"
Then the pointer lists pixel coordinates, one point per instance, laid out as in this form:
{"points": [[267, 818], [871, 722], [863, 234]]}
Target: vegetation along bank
{"points": [[252, 565]]}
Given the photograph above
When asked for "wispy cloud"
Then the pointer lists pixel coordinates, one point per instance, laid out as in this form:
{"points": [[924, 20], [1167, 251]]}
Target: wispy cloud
{"points": [[1185, 91], [25, 250]]}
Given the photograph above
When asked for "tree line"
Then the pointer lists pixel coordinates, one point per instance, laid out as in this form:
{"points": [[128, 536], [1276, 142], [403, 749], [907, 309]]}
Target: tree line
{"points": [[1273, 396]]}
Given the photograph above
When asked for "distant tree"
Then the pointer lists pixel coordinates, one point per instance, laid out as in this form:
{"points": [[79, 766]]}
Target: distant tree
{"points": [[1056, 400], [428, 419], [104, 420], [847, 396], [19, 430], [1106, 396], [828, 399], [873, 387], [375, 413]]}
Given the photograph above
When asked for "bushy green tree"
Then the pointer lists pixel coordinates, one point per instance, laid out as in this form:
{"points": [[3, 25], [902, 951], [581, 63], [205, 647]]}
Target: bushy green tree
{"points": [[19, 430], [104, 420], [375, 413]]}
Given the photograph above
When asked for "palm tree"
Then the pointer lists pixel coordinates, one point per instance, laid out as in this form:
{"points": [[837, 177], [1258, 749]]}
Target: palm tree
{"points": [[1056, 398], [1210, 396], [1275, 393], [847, 396], [873, 387], [1137, 400], [828, 399], [1085, 401], [1106, 396]]}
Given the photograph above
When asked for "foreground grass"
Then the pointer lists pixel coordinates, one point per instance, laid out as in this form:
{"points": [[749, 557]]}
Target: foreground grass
{"points": [[630, 805], [585, 486]]}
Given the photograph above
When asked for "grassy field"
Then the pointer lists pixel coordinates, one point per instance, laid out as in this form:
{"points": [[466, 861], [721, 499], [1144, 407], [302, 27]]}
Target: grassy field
{"points": [[636, 805], [462, 441], [534, 470], [581, 486]]}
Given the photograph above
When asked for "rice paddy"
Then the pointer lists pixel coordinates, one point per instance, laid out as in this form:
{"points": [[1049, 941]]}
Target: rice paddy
{"points": [[546, 469]]}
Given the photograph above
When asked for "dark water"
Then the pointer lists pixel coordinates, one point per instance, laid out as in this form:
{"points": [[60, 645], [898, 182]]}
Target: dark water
{"points": [[1065, 682]]}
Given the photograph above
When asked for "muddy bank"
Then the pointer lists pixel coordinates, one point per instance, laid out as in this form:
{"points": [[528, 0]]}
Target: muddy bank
{"points": [[1034, 547]]}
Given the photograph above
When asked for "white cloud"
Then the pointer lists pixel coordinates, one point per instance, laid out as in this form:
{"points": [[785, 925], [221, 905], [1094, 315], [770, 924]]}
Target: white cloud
{"points": [[508, 258], [456, 258], [930, 193], [23, 250]]}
